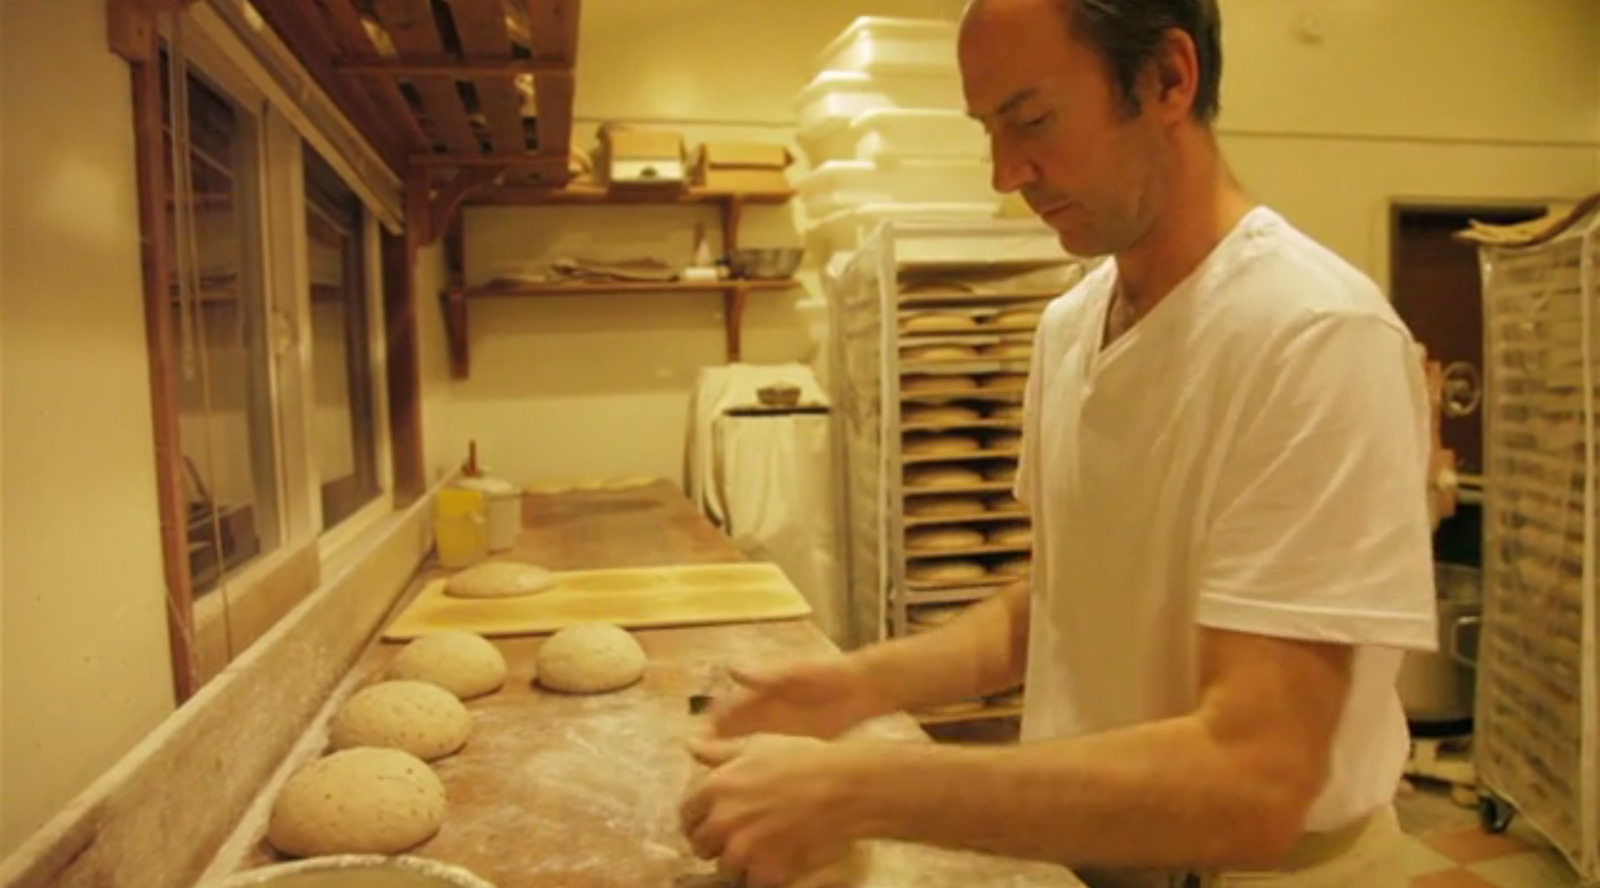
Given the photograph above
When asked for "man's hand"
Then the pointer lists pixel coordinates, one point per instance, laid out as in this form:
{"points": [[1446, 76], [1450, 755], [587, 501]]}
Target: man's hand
{"points": [[820, 698], [773, 808]]}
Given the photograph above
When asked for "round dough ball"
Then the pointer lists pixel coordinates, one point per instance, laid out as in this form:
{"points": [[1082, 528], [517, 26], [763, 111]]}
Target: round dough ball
{"points": [[413, 716], [464, 663], [926, 538], [1004, 382], [940, 414], [931, 506], [932, 382], [941, 476], [1011, 534], [590, 658], [499, 579], [358, 801], [951, 570], [933, 321], [926, 444], [939, 352]]}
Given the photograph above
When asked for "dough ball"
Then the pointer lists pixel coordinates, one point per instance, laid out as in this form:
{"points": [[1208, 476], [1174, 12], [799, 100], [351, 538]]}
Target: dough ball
{"points": [[953, 570], [937, 382], [1016, 317], [590, 658], [1011, 534], [1004, 382], [934, 506], [464, 663], [931, 414], [926, 444], [414, 716], [358, 801], [1009, 350], [1003, 441], [499, 579], [941, 476], [939, 352], [926, 538], [1003, 502], [933, 321], [1014, 566]]}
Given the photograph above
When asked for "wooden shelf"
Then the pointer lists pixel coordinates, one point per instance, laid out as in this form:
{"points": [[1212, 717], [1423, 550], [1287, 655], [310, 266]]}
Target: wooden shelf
{"points": [[915, 459], [734, 292], [968, 552], [971, 517], [629, 196], [1002, 424], [941, 489]]}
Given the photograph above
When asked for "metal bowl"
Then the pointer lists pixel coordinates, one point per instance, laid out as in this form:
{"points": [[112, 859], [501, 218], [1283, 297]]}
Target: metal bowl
{"points": [[765, 263], [354, 871]]}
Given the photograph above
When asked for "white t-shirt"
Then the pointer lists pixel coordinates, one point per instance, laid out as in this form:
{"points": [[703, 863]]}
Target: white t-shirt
{"points": [[1250, 456]]}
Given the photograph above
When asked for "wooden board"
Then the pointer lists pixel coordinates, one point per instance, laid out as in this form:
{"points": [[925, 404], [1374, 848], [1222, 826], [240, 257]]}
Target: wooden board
{"points": [[636, 598]]}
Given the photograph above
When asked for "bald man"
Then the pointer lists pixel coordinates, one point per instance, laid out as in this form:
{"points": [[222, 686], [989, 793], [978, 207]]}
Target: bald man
{"points": [[1225, 441]]}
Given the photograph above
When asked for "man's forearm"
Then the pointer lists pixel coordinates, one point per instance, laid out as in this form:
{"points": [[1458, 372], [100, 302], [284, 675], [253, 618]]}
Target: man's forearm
{"points": [[982, 652], [1164, 794]]}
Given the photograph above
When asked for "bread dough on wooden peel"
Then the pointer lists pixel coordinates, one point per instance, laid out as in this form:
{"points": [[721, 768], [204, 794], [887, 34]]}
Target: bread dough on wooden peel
{"points": [[413, 716], [1008, 350], [1004, 382], [357, 801], [934, 321], [951, 571], [941, 476], [934, 538], [464, 663], [499, 579], [932, 382], [1011, 412], [1000, 472], [1004, 502], [1015, 317], [932, 506], [939, 352], [1011, 534], [1013, 566], [929, 444], [1002, 441], [912, 414], [590, 658]]}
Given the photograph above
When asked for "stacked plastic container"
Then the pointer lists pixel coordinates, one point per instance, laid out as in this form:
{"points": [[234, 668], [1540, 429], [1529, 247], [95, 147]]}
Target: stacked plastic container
{"points": [[884, 129]]}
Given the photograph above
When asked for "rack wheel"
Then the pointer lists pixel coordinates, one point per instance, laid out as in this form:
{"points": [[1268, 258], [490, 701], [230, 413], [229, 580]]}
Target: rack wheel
{"points": [[1494, 813]]}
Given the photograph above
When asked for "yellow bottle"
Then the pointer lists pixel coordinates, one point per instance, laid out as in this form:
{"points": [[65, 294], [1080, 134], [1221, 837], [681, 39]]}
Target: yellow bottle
{"points": [[460, 527]]}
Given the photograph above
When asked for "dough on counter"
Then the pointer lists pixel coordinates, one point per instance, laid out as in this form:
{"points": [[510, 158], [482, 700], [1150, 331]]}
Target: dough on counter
{"points": [[915, 414], [952, 570], [941, 476], [412, 716], [937, 382], [930, 506], [934, 321], [926, 538], [590, 658], [499, 579], [1011, 533], [357, 801], [464, 663], [928, 444]]}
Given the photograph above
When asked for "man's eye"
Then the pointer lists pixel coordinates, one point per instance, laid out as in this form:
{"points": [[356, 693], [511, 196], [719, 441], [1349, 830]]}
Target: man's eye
{"points": [[1033, 123]]}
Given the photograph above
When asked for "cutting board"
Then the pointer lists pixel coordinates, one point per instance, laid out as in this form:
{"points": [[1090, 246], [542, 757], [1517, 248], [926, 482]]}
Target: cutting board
{"points": [[634, 598]]}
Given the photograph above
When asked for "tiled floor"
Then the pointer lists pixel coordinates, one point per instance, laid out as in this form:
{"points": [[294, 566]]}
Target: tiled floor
{"points": [[1445, 848]]}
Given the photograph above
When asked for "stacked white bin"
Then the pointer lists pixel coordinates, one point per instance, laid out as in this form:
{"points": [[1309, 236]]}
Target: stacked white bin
{"points": [[884, 129]]}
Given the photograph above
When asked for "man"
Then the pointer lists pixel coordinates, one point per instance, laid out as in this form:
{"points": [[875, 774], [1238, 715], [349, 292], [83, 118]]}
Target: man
{"points": [[1226, 436]]}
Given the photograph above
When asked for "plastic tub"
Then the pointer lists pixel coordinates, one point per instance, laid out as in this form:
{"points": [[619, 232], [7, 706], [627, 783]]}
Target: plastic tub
{"points": [[874, 43], [503, 508], [827, 105], [847, 229], [843, 184], [893, 134]]}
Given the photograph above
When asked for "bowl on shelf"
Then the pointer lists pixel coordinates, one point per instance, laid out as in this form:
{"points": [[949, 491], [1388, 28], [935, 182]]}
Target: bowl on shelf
{"points": [[765, 263]]}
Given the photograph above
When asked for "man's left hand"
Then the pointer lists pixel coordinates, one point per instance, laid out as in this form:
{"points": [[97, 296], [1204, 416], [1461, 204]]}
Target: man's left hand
{"points": [[773, 808]]}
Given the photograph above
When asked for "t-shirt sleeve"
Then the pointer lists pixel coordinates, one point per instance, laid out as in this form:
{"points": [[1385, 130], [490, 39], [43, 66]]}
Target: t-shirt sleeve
{"points": [[1319, 527]]}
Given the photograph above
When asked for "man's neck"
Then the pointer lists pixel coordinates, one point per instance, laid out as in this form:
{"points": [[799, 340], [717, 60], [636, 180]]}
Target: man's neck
{"points": [[1204, 205]]}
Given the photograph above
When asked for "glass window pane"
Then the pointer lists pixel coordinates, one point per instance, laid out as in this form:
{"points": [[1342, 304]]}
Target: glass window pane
{"points": [[344, 418], [219, 321]]}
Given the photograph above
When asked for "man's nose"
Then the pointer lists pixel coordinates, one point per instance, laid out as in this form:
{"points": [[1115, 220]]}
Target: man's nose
{"points": [[1012, 168]]}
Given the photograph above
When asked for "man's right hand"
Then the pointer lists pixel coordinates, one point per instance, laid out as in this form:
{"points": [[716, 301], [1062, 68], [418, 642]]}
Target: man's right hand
{"points": [[819, 698]]}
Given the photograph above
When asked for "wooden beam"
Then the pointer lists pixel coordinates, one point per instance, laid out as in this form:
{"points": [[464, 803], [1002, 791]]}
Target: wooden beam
{"points": [[448, 201], [351, 37], [411, 28], [481, 28], [488, 160], [553, 32], [155, 249], [466, 69], [410, 477], [553, 29], [131, 26]]}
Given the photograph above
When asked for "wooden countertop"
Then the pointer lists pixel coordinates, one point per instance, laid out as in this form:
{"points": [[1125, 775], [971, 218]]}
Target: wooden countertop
{"points": [[582, 791]]}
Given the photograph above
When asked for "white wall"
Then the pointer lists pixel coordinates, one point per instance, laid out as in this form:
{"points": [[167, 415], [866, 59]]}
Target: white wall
{"points": [[85, 664], [440, 446]]}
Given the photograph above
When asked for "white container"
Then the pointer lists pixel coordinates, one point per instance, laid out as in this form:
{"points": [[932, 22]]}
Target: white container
{"points": [[876, 44], [503, 503], [846, 230], [827, 105], [844, 184], [894, 134]]}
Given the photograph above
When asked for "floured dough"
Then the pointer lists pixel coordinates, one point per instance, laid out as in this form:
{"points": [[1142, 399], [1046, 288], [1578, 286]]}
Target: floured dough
{"points": [[1011, 534], [1014, 566], [939, 352], [942, 476], [1007, 412], [1016, 317], [954, 570], [357, 801], [1000, 471], [926, 444], [1008, 350], [413, 716], [926, 538], [915, 414], [499, 579], [1003, 441], [463, 663], [929, 382], [934, 321], [590, 658], [930, 506], [1004, 382]]}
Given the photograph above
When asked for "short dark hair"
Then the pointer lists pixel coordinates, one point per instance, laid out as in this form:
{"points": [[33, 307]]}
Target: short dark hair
{"points": [[1126, 34]]}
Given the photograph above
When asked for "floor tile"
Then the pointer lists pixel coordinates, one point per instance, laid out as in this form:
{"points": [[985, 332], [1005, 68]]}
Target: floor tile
{"points": [[1422, 859], [1452, 878], [1544, 869], [1472, 845]]}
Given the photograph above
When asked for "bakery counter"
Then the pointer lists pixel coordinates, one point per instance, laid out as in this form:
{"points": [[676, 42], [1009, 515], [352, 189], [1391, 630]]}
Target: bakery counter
{"points": [[582, 791]]}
